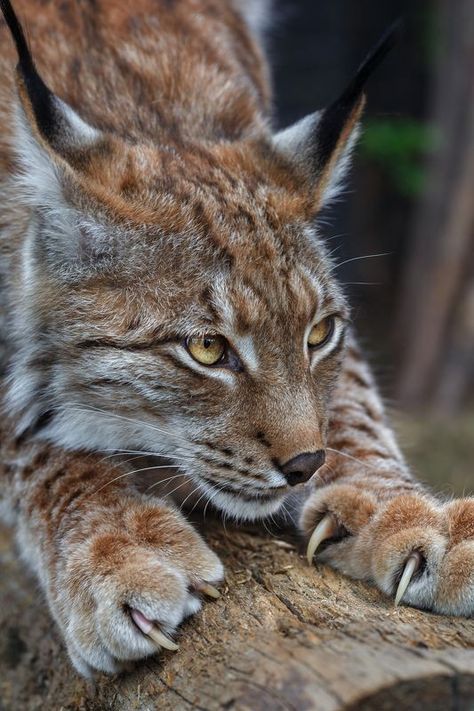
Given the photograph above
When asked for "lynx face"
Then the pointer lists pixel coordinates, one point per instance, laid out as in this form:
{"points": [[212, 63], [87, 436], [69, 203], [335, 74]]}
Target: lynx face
{"points": [[211, 334], [175, 296]]}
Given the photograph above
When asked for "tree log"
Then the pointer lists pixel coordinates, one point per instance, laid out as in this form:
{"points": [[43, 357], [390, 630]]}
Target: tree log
{"points": [[282, 636]]}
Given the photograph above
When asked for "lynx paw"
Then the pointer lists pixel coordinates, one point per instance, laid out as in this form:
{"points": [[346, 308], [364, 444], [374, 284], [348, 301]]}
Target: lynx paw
{"points": [[123, 590], [414, 549]]}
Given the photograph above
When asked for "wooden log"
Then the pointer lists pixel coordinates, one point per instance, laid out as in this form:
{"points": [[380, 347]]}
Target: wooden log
{"points": [[283, 636]]}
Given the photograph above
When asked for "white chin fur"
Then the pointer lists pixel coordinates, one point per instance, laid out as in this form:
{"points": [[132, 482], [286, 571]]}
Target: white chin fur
{"points": [[244, 510]]}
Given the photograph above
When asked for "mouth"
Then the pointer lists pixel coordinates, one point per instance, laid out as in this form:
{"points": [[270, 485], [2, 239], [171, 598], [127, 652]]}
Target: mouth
{"points": [[262, 496], [246, 505], [242, 502]]}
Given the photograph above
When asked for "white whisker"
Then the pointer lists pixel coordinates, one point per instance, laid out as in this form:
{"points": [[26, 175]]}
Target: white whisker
{"points": [[164, 481], [363, 256], [121, 476], [144, 453], [361, 283], [204, 493], [122, 461], [139, 423], [354, 459], [169, 493], [212, 496], [134, 471], [196, 488]]}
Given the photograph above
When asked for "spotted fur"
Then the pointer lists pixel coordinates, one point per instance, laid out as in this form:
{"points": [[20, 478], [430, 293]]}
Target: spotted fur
{"points": [[146, 200]]}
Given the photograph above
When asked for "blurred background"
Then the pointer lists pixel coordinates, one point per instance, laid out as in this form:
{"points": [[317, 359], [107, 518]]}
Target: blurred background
{"points": [[403, 234]]}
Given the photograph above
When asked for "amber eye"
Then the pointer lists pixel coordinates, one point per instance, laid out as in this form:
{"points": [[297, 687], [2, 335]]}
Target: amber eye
{"points": [[207, 349], [321, 332]]}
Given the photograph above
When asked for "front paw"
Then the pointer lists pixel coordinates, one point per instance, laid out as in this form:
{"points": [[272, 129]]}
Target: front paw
{"points": [[414, 549], [123, 587]]}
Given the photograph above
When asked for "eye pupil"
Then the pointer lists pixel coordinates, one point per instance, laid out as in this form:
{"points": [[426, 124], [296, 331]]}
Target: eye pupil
{"points": [[207, 349], [321, 332]]}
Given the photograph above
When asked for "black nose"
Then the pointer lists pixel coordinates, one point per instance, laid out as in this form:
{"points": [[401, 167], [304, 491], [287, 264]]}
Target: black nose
{"points": [[302, 467]]}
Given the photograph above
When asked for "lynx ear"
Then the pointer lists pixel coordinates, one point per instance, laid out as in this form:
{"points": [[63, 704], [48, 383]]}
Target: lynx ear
{"points": [[49, 130], [320, 145]]}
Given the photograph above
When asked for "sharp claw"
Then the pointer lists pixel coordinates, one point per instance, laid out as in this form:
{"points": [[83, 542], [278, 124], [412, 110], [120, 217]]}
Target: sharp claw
{"points": [[208, 590], [162, 640], [148, 628], [412, 564], [326, 528]]}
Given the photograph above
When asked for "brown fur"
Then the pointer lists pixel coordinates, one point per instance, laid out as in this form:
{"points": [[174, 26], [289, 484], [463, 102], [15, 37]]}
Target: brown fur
{"points": [[175, 213]]}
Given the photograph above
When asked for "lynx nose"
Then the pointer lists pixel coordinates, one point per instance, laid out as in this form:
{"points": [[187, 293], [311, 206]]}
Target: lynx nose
{"points": [[302, 467]]}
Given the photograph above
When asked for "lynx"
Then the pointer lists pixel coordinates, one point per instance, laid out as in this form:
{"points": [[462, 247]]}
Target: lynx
{"points": [[166, 295]]}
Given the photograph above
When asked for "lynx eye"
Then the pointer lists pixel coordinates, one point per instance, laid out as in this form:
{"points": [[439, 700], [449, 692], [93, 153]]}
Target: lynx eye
{"points": [[321, 332], [208, 349]]}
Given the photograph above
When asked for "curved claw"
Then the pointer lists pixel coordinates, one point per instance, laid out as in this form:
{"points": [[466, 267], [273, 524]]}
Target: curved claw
{"points": [[412, 564], [326, 528], [148, 628], [209, 590], [162, 640]]}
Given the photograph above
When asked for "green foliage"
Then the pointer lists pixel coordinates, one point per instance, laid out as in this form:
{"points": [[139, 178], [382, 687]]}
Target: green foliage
{"points": [[399, 146]]}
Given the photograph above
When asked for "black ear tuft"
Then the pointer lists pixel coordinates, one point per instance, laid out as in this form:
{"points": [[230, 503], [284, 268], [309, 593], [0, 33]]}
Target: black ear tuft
{"points": [[18, 35], [40, 97], [374, 58], [335, 117]]}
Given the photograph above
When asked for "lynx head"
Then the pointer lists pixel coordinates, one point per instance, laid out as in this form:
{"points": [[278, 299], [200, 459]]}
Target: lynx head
{"points": [[175, 296]]}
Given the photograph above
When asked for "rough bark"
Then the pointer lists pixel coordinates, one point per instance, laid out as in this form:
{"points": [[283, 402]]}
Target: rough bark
{"points": [[282, 636]]}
